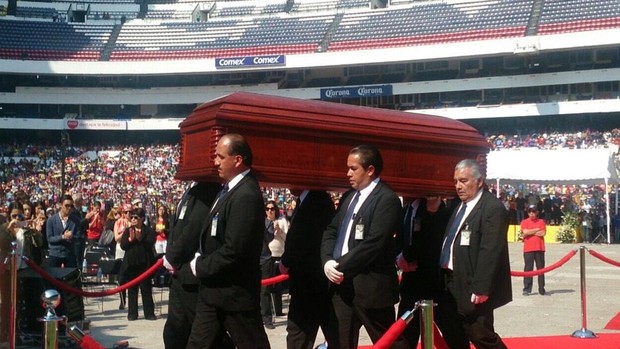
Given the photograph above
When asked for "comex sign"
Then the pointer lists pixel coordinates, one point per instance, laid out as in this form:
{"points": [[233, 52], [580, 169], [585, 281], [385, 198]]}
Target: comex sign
{"points": [[356, 92], [251, 61]]}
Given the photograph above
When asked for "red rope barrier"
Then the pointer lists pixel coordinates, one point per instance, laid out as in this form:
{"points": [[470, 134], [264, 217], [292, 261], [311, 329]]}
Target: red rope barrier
{"points": [[438, 340], [89, 343], [391, 335], [274, 280], [556, 265], [603, 258], [81, 293]]}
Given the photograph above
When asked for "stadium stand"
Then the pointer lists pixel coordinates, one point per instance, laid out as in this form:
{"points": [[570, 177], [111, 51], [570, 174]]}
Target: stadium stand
{"points": [[218, 29], [559, 16]]}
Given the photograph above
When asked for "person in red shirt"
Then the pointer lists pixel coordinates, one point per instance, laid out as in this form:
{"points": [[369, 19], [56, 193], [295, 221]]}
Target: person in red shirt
{"points": [[534, 230], [96, 221]]}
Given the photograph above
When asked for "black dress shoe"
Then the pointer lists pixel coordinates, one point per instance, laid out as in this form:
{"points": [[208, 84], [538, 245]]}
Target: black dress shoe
{"points": [[542, 292], [270, 326], [121, 307], [132, 318], [151, 317]]}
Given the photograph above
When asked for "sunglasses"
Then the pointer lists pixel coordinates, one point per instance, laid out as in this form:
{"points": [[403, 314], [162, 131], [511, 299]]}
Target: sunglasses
{"points": [[270, 208], [135, 217]]}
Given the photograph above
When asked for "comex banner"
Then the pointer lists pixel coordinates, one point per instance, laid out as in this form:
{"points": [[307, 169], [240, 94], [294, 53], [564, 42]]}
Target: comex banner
{"points": [[250, 61], [356, 92]]}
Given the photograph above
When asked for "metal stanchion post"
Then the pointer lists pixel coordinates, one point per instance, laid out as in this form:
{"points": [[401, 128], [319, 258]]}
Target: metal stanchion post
{"points": [[13, 311], [50, 299], [426, 323], [583, 332]]}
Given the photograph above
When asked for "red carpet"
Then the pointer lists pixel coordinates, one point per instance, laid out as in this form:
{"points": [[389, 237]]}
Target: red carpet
{"points": [[602, 341], [614, 323]]}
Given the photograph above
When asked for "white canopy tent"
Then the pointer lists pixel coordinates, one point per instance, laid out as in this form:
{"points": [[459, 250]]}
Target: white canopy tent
{"points": [[562, 167]]}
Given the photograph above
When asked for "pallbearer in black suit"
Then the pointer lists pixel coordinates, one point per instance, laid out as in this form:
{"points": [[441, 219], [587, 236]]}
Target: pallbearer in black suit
{"points": [[309, 305], [423, 229], [227, 264], [475, 263], [358, 252], [188, 219]]}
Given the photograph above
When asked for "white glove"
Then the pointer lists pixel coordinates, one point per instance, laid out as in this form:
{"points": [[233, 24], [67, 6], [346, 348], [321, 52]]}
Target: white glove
{"points": [[192, 264], [332, 273], [169, 266]]}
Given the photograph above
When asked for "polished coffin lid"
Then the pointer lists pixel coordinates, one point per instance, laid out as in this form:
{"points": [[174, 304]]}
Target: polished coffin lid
{"points": [[304, 144]]}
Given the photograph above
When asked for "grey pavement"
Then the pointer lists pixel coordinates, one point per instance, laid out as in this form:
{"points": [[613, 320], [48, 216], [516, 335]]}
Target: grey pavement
{"points": [[558, 313]]}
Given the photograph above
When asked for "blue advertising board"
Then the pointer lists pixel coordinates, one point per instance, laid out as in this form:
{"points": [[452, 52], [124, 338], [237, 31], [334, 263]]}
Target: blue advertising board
{"points": [[249, 61]]}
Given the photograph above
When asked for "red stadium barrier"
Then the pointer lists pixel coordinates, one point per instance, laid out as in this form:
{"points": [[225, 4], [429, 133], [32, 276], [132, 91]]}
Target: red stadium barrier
{"points": [[79, 292], [603, 258], [546, 269], [274, 280]]}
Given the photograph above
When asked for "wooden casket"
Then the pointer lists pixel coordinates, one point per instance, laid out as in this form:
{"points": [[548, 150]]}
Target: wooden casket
{"points": [[304, 144]]}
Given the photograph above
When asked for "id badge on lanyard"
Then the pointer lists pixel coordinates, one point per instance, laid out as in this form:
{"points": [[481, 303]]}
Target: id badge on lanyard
{"points": [[214, 225], [465, 236]]}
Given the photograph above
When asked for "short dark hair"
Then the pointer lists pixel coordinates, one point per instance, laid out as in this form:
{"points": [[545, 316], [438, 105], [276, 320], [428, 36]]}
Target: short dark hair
{"points": [[239, 146], [66, 197], [140, 212], [369, 156]]}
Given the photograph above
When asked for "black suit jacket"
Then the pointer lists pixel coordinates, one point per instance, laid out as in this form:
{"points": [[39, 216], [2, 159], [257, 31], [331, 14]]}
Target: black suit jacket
{"points": [[425, 248], [369, 271], [229, 269], [483, 267], [139, 254], [302, 253], [199, 199]]}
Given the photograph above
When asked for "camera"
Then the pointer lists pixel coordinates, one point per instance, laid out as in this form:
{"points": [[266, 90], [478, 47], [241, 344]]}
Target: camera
{"points": [[21, 223]]}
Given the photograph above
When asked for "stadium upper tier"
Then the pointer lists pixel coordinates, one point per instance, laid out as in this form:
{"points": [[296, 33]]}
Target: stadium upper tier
{"points": [[185, 30]]}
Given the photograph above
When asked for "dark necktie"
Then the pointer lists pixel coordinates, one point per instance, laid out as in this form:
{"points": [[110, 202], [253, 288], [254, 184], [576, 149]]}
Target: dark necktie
{"points": [[223, 191], [447, 245], [407, 231], [220, 195], [342, 231]]}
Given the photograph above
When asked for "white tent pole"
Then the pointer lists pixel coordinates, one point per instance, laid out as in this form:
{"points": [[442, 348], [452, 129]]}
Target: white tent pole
{"points": [[608, 210], [497, 186]]}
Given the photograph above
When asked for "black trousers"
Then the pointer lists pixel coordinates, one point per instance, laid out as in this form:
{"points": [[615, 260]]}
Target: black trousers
{"points": [[146, 291], [530, 258], [306, 313], [268, 293], [350, 317], [211, 324], [181, 312], [458, 329]]}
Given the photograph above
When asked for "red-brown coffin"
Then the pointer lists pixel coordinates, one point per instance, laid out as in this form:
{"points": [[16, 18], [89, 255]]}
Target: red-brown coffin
{"points": [[304, 144]]}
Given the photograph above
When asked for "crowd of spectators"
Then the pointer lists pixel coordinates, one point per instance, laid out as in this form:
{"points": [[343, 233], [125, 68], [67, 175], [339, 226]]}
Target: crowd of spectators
{"points": [[587, 139], [117, 175], [114, 175]]}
